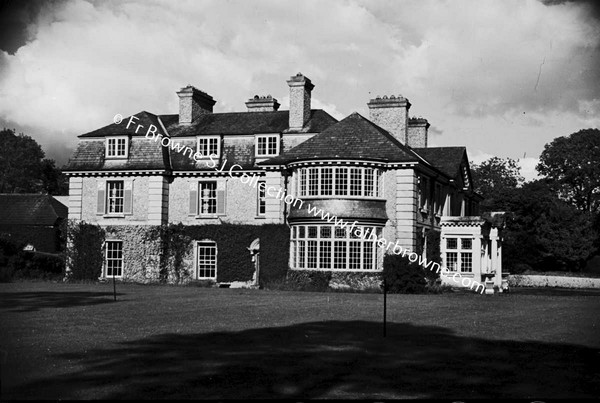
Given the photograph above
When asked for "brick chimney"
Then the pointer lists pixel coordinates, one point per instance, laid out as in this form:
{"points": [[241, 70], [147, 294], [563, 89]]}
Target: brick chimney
{"points": [[391, 114], [300, 89], [262, 104], [417, 132], [193, 103]]}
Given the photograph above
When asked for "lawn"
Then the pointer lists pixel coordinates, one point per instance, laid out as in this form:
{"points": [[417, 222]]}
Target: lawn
{"points": [[71, 341]]}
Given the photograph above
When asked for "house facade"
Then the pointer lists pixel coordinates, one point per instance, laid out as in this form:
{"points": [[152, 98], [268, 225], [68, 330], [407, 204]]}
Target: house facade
{"points": [[277, 182]]}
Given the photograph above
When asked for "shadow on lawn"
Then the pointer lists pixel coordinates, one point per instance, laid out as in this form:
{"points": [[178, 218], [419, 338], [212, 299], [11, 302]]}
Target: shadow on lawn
{"points": [[324, 359], [34, 301]]}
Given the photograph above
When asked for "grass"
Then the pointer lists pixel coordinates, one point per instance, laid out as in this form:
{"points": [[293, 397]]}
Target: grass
{"points": [[71, 341]]}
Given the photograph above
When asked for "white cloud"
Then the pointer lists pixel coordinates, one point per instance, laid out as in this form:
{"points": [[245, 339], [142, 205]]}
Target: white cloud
{"points": [[470, 67]]}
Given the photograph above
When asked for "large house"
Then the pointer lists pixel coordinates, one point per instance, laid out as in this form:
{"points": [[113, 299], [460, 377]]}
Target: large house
{"points": [[261, 175]]}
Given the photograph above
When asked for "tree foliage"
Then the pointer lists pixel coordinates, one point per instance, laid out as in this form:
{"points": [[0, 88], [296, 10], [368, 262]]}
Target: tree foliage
{"points": [[572, 166], [496, 179], [24, 168], [545, 232]]}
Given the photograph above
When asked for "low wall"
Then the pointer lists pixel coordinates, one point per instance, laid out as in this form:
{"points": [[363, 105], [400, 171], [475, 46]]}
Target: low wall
{"points": [[517, 280]]}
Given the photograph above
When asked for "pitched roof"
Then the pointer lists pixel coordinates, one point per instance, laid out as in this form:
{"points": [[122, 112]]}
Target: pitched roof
{"points": [[144, 118], [30, 209], [354, 137], [90, 153], [446, 159], [244, 123]]}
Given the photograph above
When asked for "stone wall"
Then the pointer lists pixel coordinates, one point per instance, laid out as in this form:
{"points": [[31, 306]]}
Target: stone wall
{"points": [[552, 281]]}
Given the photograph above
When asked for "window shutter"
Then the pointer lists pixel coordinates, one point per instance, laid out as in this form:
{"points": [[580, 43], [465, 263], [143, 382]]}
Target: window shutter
{"points": [[101, 197], [128, 197], [193, 198], [221, 192]]}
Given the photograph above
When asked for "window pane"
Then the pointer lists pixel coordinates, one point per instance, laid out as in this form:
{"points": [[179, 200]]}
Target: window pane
{"points": [[341, 181], [312, 231], [313, 182], [340, 232], [302, 182], [451, 260], [115, 196], [301, 231], [466, 243], [208, 197], [451, 243], [354, 255], [301, 254], [207, 260], [339, 255], [325, 231], [326, 181], [466, 262], [355, 181], [312, 255], [369, 182], [114, 258], [262, 205], [325, 254], [368, 256]]}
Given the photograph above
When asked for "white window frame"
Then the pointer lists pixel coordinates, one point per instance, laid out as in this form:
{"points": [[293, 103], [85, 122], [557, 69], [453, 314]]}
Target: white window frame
{"points": [[305, 190], [301, 246], [208, 140], [206, 243], [108, 198], [459, 250], [116, 140], [106, 258], [261, 198], [215, 197], [267, 137]]}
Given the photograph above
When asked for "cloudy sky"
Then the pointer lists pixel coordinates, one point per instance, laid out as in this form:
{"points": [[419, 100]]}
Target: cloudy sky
{"points": [[500, 77]]}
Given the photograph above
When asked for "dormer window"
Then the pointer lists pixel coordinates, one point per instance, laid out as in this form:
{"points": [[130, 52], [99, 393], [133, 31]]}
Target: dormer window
{"points": [[117, 147], [267, 145], [209, 145]]}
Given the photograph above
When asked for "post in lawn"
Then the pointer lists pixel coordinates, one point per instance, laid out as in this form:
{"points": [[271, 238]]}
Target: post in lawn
{"points": [[114, 285], [384, 307]]}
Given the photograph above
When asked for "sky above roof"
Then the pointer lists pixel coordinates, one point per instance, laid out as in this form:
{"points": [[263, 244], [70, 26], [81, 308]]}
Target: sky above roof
{"points": [[502, 78]]}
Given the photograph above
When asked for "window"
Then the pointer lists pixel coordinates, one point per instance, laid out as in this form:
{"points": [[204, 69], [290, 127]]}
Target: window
{"points": [[327, 247], [115, 197], [114, 258], [339, 181], [424, 192], [208, 146], [208, 197], [207, 260], [439, 200], [267, 145], [261, 198], [116, 147], [459, 254]]}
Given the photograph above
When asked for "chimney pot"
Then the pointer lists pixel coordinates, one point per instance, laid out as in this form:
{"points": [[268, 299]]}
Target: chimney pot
{"points": [[193, 103], [262, 104]]}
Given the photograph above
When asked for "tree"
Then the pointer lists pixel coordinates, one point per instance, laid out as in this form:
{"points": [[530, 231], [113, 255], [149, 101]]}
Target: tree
{"points": [[23, 168], [572, 166], [545, 232], [496, 179]]}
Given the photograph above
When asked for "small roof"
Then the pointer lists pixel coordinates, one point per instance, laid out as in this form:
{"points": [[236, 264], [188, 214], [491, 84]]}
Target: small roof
{"points": [[445, 159], [30, 209], [354, 137]]}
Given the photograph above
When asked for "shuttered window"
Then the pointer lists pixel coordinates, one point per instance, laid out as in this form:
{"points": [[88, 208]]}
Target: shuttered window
{"points": [[207, 198]]}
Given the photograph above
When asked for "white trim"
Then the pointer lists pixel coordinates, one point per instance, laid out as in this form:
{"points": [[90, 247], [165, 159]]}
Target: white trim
{"points": [[116, 138], [267, 136], [196, 268], [208, 140], [105, 269]]}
